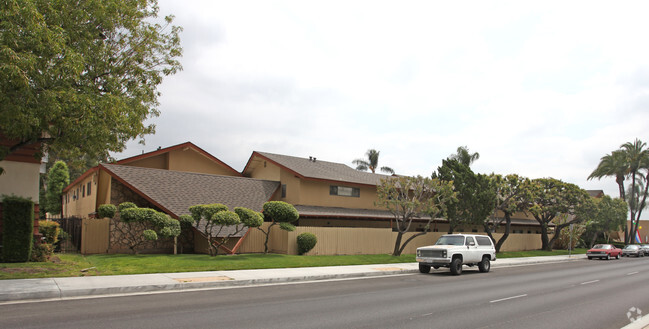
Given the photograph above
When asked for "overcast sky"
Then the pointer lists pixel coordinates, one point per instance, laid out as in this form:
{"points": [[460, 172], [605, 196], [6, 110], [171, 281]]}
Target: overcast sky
{"points": [[541, 89]]}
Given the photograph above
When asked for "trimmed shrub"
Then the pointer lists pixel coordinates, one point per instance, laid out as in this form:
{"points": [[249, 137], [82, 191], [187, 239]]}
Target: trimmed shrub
{"points": [[42, 252], [249, 218], [150, 235], [305, 242], [17, 229], [279, 211], [106, 211], [126, 205], [50, 231]]}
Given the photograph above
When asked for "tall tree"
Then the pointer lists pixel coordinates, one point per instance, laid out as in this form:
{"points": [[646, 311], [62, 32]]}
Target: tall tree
{"points": [[512, 195], [476, 196], [371, 163], [551, 198], [408, 198], [82, 76], [610, 215], [57, 179], [612, 165], [637, 159], [464, 157]]}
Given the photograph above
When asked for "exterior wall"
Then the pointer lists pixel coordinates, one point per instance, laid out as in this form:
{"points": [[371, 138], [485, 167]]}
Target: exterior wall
{"points": [[117, 240], [20, 179], [316, 193], [103, 188], [265, 170], [156, 162], [81, 199], [293, 184], [191, 161]]}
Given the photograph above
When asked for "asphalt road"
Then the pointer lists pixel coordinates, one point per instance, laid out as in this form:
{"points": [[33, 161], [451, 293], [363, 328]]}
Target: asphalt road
{"points": [[578, 294]]}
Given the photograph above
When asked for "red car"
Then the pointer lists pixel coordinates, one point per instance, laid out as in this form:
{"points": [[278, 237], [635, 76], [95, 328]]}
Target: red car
{"points": [[604, 251]]}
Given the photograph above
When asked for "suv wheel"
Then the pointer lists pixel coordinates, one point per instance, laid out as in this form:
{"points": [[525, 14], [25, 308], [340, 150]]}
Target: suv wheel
{"points": [[484, 265], [456, 266], [423, 268]]}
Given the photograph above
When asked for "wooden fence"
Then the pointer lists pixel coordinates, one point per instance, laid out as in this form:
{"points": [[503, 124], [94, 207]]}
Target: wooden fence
{"points": [[331, 240], [361, 241], [94, 236]]}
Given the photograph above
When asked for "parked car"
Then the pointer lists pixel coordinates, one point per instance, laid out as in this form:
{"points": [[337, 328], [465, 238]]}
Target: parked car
{"points": [[632, 250], [645, 249], [455, 250], [604, 251]]}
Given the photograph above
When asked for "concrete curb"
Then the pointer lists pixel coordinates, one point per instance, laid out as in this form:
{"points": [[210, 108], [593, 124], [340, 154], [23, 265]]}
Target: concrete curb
{"points": [[71, 287]]}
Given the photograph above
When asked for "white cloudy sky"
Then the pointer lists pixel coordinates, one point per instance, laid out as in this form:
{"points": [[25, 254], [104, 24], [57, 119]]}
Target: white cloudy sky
{"points": [[542, 89]]}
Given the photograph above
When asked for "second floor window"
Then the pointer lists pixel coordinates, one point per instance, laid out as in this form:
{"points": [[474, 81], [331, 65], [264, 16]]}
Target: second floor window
{"points": [[344, 191]]}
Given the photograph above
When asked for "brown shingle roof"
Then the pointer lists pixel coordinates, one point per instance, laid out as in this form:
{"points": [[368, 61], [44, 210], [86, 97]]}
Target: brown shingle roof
{"points": [[324, 170], [176, 191]]}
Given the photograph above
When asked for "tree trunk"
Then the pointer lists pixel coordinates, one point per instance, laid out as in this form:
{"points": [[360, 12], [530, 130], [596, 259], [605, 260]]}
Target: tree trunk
{"points": [[508, 225], [545, 244], [407, 241], [397, 244], [592, 241]]}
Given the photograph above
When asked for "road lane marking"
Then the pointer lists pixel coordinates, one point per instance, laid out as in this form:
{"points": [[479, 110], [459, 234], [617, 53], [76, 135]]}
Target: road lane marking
{"points": [[589, 282], [632, 273], [507, 298]]}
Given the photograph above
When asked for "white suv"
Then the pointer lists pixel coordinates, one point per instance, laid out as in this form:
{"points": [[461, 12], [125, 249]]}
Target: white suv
{"points": [[455, 250]]}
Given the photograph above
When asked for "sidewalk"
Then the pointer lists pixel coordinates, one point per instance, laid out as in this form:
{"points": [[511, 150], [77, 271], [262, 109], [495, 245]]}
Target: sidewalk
{"points": [[59, 288]]}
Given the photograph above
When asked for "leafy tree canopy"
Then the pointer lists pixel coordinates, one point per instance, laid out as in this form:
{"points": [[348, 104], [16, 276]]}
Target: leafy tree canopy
{"points": [[82, 76]]}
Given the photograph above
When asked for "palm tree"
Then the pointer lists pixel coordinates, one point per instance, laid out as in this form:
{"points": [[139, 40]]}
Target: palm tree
{"points": [[612, 165], [464, 157], [371, 163], [637, 159]]}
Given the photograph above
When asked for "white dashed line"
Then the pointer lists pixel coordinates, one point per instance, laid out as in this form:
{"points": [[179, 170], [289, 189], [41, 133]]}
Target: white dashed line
{"points": [[508, 298], [589, 282]]}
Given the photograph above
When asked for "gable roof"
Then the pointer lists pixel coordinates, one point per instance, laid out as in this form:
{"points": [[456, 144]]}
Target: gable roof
{"points": [[318, 170], [190, 145], [175, 191]]}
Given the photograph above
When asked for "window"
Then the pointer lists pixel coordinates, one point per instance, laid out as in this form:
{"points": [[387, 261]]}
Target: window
{"points": [[345, 191], [88, 188], [483, 240], [283, 190], [470, 241], [83, 191]]}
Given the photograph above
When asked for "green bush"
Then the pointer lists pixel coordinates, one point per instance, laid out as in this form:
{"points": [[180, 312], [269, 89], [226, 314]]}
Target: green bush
{"points": [[305, 242], [50, 231], [249, 218], [150, 235], [106, 211], [42, 252], [126, 205], [279, 211], [17, 229]]}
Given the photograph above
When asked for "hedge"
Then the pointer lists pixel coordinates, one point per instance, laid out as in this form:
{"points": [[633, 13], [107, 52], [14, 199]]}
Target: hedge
{"points": [[17, 229]]}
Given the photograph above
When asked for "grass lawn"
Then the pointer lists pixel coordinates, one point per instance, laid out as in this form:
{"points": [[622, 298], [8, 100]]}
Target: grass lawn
{"points": [[117, 264]]}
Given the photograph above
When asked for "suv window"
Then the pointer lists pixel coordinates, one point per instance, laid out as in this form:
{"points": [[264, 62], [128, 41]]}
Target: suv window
{"points": [[483, 240], [450, 240], [469, 241]]}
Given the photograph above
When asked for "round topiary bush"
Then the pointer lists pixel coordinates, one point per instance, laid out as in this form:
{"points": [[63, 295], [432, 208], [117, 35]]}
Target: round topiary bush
{"points": [[305, 242], [106, 211]]}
